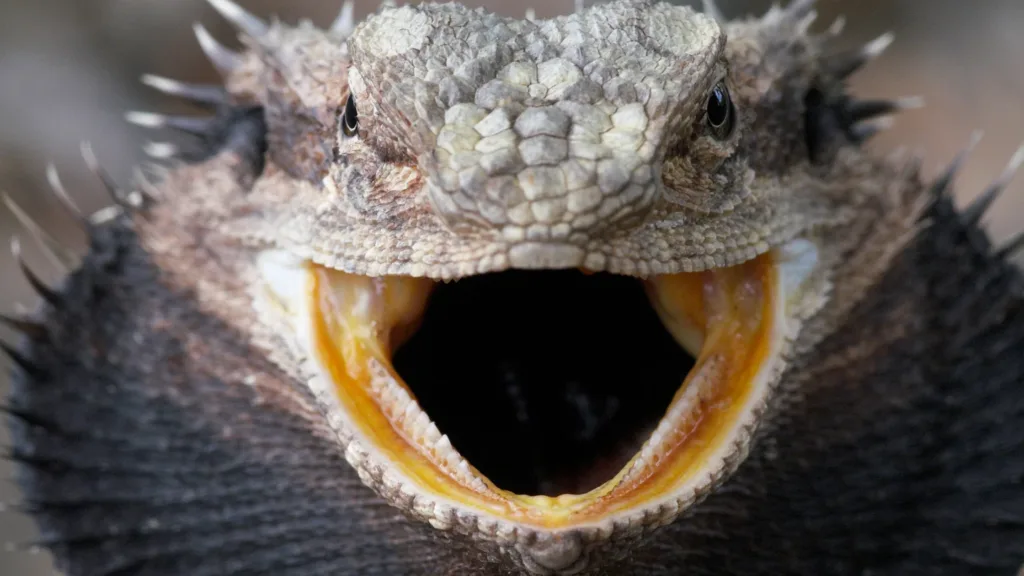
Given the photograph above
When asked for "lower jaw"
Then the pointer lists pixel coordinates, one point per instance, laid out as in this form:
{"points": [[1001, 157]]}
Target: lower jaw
{"points": [[731, 320]]}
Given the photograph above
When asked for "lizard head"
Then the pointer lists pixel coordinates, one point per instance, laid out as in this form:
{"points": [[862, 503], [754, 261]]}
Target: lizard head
{"points": [[544, 139], [545, 277]]}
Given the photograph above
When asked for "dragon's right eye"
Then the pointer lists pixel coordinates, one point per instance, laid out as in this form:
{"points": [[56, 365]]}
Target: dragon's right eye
{"points": [[350, 118], [720, 112]]}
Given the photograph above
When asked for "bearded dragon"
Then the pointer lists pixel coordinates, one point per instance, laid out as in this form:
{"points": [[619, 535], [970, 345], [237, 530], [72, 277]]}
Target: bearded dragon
{"points": [[446, 292]]}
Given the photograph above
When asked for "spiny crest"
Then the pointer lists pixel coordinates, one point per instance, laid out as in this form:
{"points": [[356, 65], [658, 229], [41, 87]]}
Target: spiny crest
{"points": [[797, 78], [976, 210], [831, 109], [298, 98], [22, 361], [845, 64], [840, 66], [944, 183], [293, 77], [61, 257], [33, 330], [64, 259], [33, 279], [863, 119]]}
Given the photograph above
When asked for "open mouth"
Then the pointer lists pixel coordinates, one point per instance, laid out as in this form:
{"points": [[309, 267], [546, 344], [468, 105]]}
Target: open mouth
{"points": [[552, 398], [548, 382]]}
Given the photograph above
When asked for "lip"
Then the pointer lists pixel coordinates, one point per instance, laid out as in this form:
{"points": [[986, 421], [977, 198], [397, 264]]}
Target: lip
{"points": [[732, 320]]}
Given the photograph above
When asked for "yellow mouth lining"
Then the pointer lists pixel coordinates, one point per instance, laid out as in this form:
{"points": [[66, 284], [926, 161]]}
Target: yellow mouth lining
{"points": [[732, 316]]}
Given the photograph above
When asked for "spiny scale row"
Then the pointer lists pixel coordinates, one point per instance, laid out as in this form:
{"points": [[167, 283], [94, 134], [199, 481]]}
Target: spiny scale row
{"points": [[227, 61], [975, 211], [63, 258]]}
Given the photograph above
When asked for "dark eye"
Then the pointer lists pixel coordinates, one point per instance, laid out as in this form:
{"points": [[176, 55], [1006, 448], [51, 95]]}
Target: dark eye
{"points": [[720, 112], [350, 118]]}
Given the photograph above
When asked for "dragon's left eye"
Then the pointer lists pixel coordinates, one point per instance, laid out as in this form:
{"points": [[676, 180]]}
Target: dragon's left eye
{"points": [[720, 111], [350, 118]]}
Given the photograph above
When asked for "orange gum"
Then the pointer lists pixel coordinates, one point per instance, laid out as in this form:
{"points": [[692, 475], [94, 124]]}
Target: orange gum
{"points": [[358, 321]]}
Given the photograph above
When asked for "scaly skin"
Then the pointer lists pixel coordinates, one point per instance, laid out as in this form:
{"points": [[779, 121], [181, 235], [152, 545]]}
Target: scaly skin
{"points": [[163, 426]]}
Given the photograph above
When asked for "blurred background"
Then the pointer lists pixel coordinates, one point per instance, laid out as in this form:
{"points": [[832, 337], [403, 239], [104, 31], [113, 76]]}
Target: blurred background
{"points": [[69, 70]]}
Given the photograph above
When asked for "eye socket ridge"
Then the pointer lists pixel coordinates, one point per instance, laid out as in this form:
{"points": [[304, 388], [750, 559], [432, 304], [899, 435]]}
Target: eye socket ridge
{"points": [[350, 118], [720, 113]]}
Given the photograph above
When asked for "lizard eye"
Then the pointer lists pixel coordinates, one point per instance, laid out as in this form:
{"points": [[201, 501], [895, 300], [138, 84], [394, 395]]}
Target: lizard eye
{"points": [[720, 111], [350, 118]]}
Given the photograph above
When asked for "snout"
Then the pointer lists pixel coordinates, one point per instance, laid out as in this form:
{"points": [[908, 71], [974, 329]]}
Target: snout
{"points": [[528, 164]]}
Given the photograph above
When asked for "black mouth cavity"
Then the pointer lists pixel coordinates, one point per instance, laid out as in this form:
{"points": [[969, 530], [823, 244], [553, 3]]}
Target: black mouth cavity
{"points": [[547, 382]]}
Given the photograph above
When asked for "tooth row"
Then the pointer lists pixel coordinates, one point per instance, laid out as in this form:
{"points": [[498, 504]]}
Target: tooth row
{"points": [[677, 422], [404, 412], [279, 302]]}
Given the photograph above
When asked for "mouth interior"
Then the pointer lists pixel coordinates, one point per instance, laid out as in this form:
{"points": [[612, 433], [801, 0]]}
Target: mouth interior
{"points": [[547, 382], [554, 398]]}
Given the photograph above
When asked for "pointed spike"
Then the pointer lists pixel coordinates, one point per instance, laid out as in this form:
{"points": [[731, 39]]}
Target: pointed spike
{"points": [[711, 9], [866, 109], [836, 28], [31, 329], [38, 285], [800, 9], [240, 18], [845, 64], [25, 417], [62, 258], [345, 23], [976, 209], [191, 125], [910, 103], [198, 126], [160, 150], [944, 182], [223, 59], [531, 14], [878, 46], [867, 130], [387, 4], [113, 189], [150, 190], [1012, 247], [804, 24], [19, 359], [579, 6], [104, 215], [58, 189], [146, 119], [203, 94]]}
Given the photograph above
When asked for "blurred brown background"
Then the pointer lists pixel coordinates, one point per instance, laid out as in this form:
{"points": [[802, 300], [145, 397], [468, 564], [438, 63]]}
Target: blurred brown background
{"points": [[69, 70]]}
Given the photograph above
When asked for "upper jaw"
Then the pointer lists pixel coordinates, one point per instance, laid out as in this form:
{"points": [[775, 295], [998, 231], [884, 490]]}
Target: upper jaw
{"points": [[738, 322], [321, 225]]}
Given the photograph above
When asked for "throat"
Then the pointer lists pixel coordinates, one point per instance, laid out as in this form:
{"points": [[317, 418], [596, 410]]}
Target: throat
{"points": [[548, 382]]}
